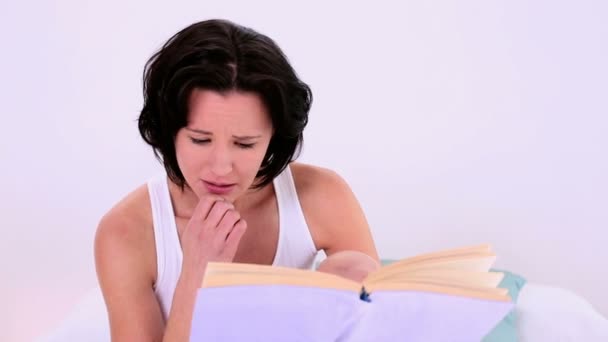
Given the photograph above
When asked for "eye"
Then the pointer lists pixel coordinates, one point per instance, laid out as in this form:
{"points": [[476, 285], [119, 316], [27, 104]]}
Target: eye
{"points": [[241, 145], [199, 141]]}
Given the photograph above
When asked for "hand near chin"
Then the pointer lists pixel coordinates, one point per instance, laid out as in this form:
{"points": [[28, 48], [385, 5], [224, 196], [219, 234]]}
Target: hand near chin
{"points": [[212, 234]]}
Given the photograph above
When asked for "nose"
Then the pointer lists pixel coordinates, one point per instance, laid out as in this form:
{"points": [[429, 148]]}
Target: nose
{"points": [[220, 161]]}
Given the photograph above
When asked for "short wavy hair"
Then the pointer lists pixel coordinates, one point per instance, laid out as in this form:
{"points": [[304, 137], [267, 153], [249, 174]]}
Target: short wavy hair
{"points": [[222, 56]]}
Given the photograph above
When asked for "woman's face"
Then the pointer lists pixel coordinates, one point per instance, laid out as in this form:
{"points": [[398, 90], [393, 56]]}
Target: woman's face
{"points": [[222, 147]]}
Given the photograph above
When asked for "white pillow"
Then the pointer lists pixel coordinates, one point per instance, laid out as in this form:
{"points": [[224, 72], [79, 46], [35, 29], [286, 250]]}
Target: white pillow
{"points": [[546, 313]]}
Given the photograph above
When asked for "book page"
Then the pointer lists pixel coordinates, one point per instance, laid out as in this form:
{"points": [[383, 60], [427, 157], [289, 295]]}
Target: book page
{"points": [[479, 258], [459, 272], [480, 250], [436, 257], [464, 265], [234, 274], [447, 276], [494, 294]]}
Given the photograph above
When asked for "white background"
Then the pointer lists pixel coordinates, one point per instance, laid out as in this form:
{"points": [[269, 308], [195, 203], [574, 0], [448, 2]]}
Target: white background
{"points": [[454, 122]]}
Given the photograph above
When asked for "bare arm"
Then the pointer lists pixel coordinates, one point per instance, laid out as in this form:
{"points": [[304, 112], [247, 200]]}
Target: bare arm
{"points": [[180, 318], [126, 283], [126, 279], [332, 212]]}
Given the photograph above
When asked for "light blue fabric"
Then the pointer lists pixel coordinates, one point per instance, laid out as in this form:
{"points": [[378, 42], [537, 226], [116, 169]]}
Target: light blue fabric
{"points": [[506, 330]]}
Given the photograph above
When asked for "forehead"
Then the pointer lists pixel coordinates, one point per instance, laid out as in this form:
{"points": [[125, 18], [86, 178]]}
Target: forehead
{"points": [[210, 108]]}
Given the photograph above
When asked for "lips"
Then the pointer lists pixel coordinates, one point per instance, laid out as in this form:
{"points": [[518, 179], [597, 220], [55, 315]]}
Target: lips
{"points": [[219, 188]]}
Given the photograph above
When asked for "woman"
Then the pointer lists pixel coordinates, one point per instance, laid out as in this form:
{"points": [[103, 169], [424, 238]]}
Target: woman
{"points": [[224, 112]]}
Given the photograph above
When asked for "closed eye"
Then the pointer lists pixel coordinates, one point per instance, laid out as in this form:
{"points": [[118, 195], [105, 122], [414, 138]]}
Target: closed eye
{"points": [[206, 141], [199, 141], [242, 145]]}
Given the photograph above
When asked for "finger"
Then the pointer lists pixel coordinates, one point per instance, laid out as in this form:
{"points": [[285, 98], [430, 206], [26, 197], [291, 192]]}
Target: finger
{"points": [[227, 223], [202, 209], [217, 212], [233, 239]]}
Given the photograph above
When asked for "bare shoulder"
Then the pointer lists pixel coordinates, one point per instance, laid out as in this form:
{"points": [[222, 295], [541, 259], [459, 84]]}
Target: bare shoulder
{"points": [[315, 181], [126, 229], [321, 190], [125, 261], [129, 217], [332, 211]]}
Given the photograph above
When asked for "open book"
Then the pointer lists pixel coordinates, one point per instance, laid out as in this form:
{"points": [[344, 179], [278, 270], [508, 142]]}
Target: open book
{"points": [[443, 296]]}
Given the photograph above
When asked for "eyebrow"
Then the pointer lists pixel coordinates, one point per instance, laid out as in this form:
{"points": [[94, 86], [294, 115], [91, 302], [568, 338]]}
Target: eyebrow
{"points": [[239, 137]]}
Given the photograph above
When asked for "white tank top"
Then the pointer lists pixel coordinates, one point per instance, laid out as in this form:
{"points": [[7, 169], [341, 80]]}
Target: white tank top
{"points": [[295, 245]]}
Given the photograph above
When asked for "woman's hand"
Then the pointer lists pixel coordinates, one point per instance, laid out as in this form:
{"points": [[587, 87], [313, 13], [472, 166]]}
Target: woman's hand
{"points": [[212, 234]]}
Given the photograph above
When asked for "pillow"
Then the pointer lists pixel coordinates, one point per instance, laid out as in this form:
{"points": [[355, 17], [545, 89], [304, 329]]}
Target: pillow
{"points": [[548, 313], [506, 330]]}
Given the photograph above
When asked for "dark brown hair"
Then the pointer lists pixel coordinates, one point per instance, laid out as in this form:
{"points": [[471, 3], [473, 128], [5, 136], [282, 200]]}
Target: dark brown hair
{"points": [[222, 56]]}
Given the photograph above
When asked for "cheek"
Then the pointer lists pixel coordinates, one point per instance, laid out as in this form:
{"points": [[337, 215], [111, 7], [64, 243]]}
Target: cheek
{"points": [[258, 156], [188, 157], [250, 162]]}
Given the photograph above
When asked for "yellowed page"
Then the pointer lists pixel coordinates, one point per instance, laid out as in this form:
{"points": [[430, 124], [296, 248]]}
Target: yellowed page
{"points": [[498, 294], [465, 263], [480, 250], [456, 277], [234, 274]]}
